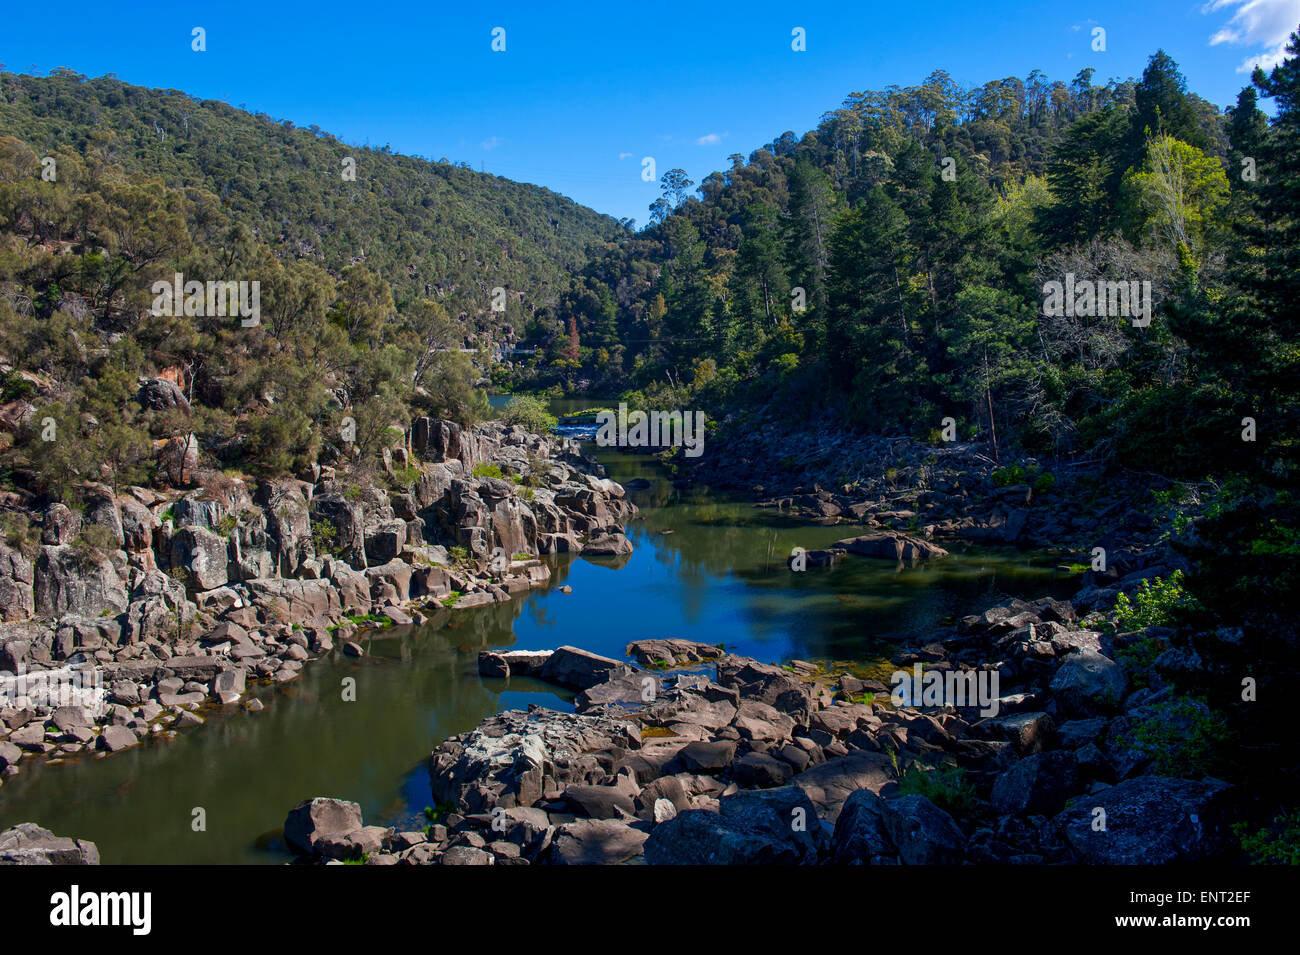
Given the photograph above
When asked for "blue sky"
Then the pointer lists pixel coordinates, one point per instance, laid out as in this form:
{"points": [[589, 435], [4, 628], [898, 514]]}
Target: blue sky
{"points": [[583, 92]]}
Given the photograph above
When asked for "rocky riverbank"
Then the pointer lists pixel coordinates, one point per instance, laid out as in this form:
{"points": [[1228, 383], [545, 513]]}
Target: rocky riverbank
{"points": [[124, 617], [1092, 752], [702, 758], [821, 471]]}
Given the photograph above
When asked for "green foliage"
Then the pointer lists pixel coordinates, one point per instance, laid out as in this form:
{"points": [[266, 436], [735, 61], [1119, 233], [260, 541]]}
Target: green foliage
{"points": [[322, 538], [403, 478], [219, 195], [1155, 604], [946, 786], [1184, 737], [529, 412], [485, 470], [20, 534], [1278, 844], [93, 545]]}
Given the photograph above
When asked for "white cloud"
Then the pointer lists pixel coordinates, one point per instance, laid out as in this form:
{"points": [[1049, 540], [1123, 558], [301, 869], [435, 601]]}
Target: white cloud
{"points": [[712, 139], [491, 144], [623, 156], [1257, 23]]}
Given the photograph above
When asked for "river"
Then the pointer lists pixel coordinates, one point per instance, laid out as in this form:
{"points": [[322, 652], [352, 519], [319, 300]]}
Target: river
{"points": [[718, 577]]}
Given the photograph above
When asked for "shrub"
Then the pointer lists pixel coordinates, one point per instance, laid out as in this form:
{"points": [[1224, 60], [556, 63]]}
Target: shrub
{"points": [[488, 471], [529, 412], [947, 787], [93, 545], [1279, 844], [322, 538], [1155, 604], [1184, 738], [20, 534]]}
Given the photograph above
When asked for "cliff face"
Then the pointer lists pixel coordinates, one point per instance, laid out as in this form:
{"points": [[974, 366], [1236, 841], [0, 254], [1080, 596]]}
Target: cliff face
{"points": [[172, 598]]}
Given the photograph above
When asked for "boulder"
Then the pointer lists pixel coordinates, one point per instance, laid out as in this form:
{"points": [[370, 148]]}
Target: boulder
{"points": [[1088, 683], [204, 554], [671, 652], [348, 521], [65, 583], [17, 575], [923, 833], [830, 784], [760, 771], [29, 844], [771, 826], [607, 545], [507, 663], [861, 836], [320, 820], [504, 761], [1037, 785], [707, 757], [114, 739], [598, 802], [577, 669], [596, 842], [890, 545], [1152, 820], [161, 394]]}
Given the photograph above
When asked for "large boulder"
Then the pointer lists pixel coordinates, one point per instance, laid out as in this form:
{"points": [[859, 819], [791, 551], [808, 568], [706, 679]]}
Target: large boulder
{"points": [[771, 826], [1151, 820], [577, 669], [596, 842], [296, 601], [161, 394], [138, 526], [505, 761], [671, 652], [17, 575], [829, 784], [384, 541], [102, 510], [890, 545], [59, 525], [1088, 683], [861, 836], [1037, 785], [67, 582], [314, 823], [607, 545], [288, 524], [204, 554], [767, 684], [347, 519], [922, 832]]}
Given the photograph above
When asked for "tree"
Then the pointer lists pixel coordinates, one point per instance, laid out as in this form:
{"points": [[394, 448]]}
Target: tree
{"points": [[1177, 195], [1163, 107]]}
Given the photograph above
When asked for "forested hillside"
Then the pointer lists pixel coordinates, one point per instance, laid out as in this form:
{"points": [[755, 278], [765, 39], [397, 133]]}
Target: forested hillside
{"points": [[433, 230], [893, 263], [369, 287]]}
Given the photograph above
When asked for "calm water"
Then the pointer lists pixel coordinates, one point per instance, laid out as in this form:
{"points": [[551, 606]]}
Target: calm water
{"points": [[720, 577]]}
